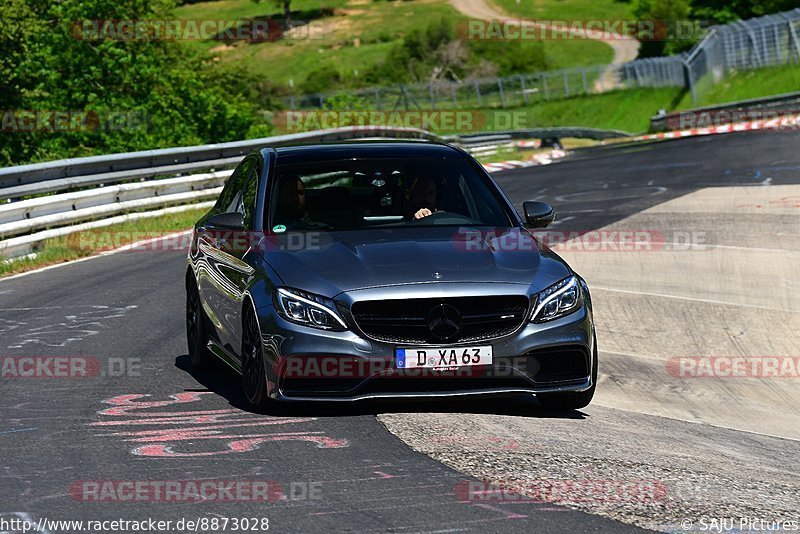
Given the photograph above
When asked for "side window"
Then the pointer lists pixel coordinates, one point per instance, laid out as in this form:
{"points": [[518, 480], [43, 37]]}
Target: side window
{"points": [[249, 196], [231, 193]]}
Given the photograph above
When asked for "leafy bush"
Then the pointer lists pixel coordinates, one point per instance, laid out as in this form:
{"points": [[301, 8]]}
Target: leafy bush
{"points": [[724, 11], [322, 79]]}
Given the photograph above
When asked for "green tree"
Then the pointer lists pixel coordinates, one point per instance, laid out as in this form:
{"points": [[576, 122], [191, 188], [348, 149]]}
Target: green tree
{"points": [[724, 11], [49, 64], [666, 14], [322, 79]]}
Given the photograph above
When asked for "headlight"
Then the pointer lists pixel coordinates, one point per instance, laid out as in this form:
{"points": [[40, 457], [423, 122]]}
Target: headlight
{"points": [[558, 300], [307, 309]]}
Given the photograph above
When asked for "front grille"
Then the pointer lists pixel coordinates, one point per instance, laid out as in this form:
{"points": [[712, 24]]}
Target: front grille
{"points": [[406, 321]]}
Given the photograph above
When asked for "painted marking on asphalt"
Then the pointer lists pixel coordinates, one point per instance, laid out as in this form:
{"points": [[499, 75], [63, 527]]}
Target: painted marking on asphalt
{"points": [[18, 430], [11, 475], [204, 426], [694, 422], [677, 246], [632, 192], [508, 514], [58, 331], [693, 299], [581, 211], [562, 220]]}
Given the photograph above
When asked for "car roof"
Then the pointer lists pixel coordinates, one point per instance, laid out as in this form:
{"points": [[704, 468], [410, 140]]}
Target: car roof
{"points": [[366, 150]]}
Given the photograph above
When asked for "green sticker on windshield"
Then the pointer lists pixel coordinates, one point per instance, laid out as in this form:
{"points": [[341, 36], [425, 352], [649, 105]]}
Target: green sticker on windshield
{"points": [[279, 228]]}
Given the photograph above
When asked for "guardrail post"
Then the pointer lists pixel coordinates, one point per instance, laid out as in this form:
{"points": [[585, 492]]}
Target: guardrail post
{"points": [[502, 95], [754, 45], [433, 96], [777, 37], [637, 74], [792, 37], [478, 92], [690, 80], [544, 86], [524, 90], [566, 84]]}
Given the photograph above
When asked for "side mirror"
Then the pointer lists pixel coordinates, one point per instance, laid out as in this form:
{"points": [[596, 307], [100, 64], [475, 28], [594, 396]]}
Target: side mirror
{"points": [[226, 221], [538, 214]]}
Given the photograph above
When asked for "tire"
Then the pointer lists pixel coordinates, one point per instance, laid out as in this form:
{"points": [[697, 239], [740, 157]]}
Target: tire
{"points": [[254, 380], [196, 327], [571, 400]]}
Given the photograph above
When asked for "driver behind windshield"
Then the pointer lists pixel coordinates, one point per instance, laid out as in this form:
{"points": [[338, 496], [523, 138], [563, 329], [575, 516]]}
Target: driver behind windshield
{"points": [[291, 211], [421, 197]]}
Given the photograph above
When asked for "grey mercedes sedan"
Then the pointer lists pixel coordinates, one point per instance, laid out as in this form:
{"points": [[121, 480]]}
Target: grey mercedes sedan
{"points": [[384, 270]]}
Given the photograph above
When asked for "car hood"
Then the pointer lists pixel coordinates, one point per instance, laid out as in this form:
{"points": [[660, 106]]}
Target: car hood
{"points": [[329, 263]]}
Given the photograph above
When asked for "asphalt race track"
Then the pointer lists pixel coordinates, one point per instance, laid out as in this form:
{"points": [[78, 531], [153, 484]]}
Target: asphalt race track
{"points": [[714, 446]]}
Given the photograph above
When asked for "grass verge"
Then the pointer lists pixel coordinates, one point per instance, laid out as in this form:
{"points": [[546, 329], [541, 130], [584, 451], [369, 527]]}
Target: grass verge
{"points": [[743, 85], [578, 10], [354, 36]]}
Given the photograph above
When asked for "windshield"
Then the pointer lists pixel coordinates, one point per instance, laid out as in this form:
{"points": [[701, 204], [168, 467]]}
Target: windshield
{"points": [[352, 194]]}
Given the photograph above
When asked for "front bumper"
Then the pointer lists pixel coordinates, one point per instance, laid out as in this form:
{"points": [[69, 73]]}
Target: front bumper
{"points": [[307, 364]]}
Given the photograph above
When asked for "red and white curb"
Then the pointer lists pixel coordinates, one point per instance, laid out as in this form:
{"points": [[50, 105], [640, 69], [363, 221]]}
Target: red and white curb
{"points": [[790, 122], [544, 158]]}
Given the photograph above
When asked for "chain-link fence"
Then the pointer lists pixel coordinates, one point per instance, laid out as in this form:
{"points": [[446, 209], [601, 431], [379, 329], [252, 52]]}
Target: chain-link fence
{"points": [[760, 42]]}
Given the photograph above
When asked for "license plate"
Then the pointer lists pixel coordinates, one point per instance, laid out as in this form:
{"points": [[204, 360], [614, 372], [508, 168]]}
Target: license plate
{"points": [[443, 357]]}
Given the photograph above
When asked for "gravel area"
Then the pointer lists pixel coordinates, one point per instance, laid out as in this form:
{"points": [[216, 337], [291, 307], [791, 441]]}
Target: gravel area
{"points": [[657, 473]]}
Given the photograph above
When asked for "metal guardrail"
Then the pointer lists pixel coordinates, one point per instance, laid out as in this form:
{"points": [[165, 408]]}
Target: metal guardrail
{"points": [[672, 121], [87, 193], [26, 245], [486, 144], [63, 175], [541, 133], [67, 208]]}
